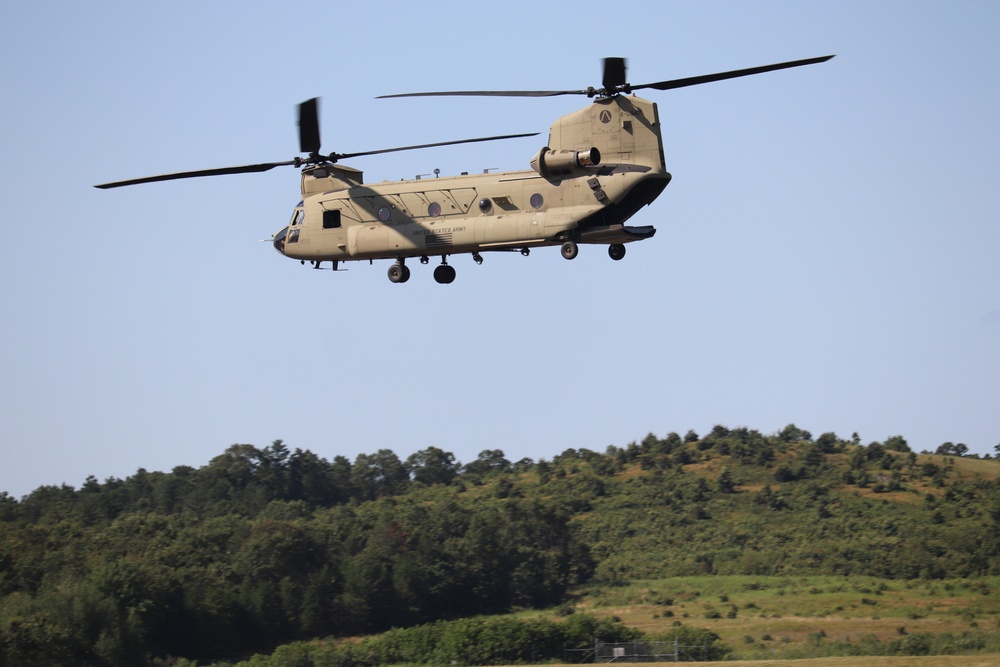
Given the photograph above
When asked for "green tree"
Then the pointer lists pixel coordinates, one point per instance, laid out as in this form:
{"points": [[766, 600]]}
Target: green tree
{"points": [[725, 482], [897, 443], [544, 471], [309, 479], [952, 449], [793, 433], [489, 461], [35, 639], [432, 466], [378, 475], [827, 443], [340, 476]]}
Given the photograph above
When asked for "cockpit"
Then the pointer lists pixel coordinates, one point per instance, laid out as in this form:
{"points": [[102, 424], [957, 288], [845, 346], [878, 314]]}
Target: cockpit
{"points": [[290, 234]]}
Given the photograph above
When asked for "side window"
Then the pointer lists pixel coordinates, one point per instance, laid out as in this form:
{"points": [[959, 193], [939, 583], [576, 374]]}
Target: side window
{"points": [[331, 219]]}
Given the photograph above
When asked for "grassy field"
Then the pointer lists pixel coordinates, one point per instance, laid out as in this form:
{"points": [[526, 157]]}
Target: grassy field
{"points": [[990, 660], [983, 660], [800, 617]]}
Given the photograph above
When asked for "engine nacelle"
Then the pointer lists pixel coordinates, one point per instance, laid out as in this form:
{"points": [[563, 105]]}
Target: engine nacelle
{"points": [[548, 162]]}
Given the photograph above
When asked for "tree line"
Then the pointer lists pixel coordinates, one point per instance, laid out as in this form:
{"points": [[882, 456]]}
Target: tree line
{"points": [[266, 546]]}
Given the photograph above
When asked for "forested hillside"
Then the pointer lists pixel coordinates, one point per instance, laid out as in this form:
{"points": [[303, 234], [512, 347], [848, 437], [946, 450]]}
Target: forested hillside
{"points": [[266, 546]]}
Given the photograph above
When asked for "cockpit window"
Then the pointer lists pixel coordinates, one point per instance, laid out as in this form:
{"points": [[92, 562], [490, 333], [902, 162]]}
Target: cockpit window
{"points": [[279, 240], [298, 215]]}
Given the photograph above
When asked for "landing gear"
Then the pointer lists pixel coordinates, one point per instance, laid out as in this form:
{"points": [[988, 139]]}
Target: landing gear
{"points": [[398, 273], [444, 274], [616, 251], [570, 249], [477, 258], [525, 251]]}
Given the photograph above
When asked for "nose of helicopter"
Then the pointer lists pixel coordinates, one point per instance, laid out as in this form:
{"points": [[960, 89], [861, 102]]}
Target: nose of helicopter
{"points": [[279, 240]]}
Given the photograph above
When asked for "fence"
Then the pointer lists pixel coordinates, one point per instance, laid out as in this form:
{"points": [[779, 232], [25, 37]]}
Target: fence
{"points": [[637, 652]]}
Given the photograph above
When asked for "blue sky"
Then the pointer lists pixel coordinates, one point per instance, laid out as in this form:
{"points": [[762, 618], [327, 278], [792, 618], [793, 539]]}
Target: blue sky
{"points": [[826, 255]]}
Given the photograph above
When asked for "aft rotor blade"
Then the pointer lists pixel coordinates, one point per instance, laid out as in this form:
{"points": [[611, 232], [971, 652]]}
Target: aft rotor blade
{"points": [[244, 169], [309, 126], [614, 82], [340, 156], [614, 73], [708, 78], [489, 93]]}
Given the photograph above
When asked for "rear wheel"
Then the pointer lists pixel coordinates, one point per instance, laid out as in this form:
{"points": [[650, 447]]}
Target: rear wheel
{"points": [[570, 250], [616, 251], [444, 274]]}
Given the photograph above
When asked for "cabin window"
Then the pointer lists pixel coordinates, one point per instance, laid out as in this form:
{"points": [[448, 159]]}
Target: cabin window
{"points": [[298, 217], [384, 213], [331, 219], [505, 203], [293, 236], [434, 210], [537, 200]]}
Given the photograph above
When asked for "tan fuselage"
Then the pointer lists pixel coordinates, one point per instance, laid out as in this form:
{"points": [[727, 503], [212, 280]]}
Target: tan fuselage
{"points": [[562, 197]]}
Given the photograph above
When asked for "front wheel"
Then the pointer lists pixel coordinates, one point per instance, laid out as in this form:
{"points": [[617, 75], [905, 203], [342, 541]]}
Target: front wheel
{"points": [[398, 273], [570, 250]]}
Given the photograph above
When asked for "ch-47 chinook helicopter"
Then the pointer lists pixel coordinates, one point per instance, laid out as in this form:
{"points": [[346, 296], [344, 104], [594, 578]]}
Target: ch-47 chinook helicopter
{"points": [[600, 166]]}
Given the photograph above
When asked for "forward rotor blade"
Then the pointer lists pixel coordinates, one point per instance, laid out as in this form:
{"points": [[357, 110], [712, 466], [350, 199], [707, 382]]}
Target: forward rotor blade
{"points": [[340, 156], [309, 126], [244, 169], [266, 166], [708, 78]]}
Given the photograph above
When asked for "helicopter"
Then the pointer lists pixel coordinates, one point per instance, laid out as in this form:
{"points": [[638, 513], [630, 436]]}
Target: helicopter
{"points": [[600, 166]]}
